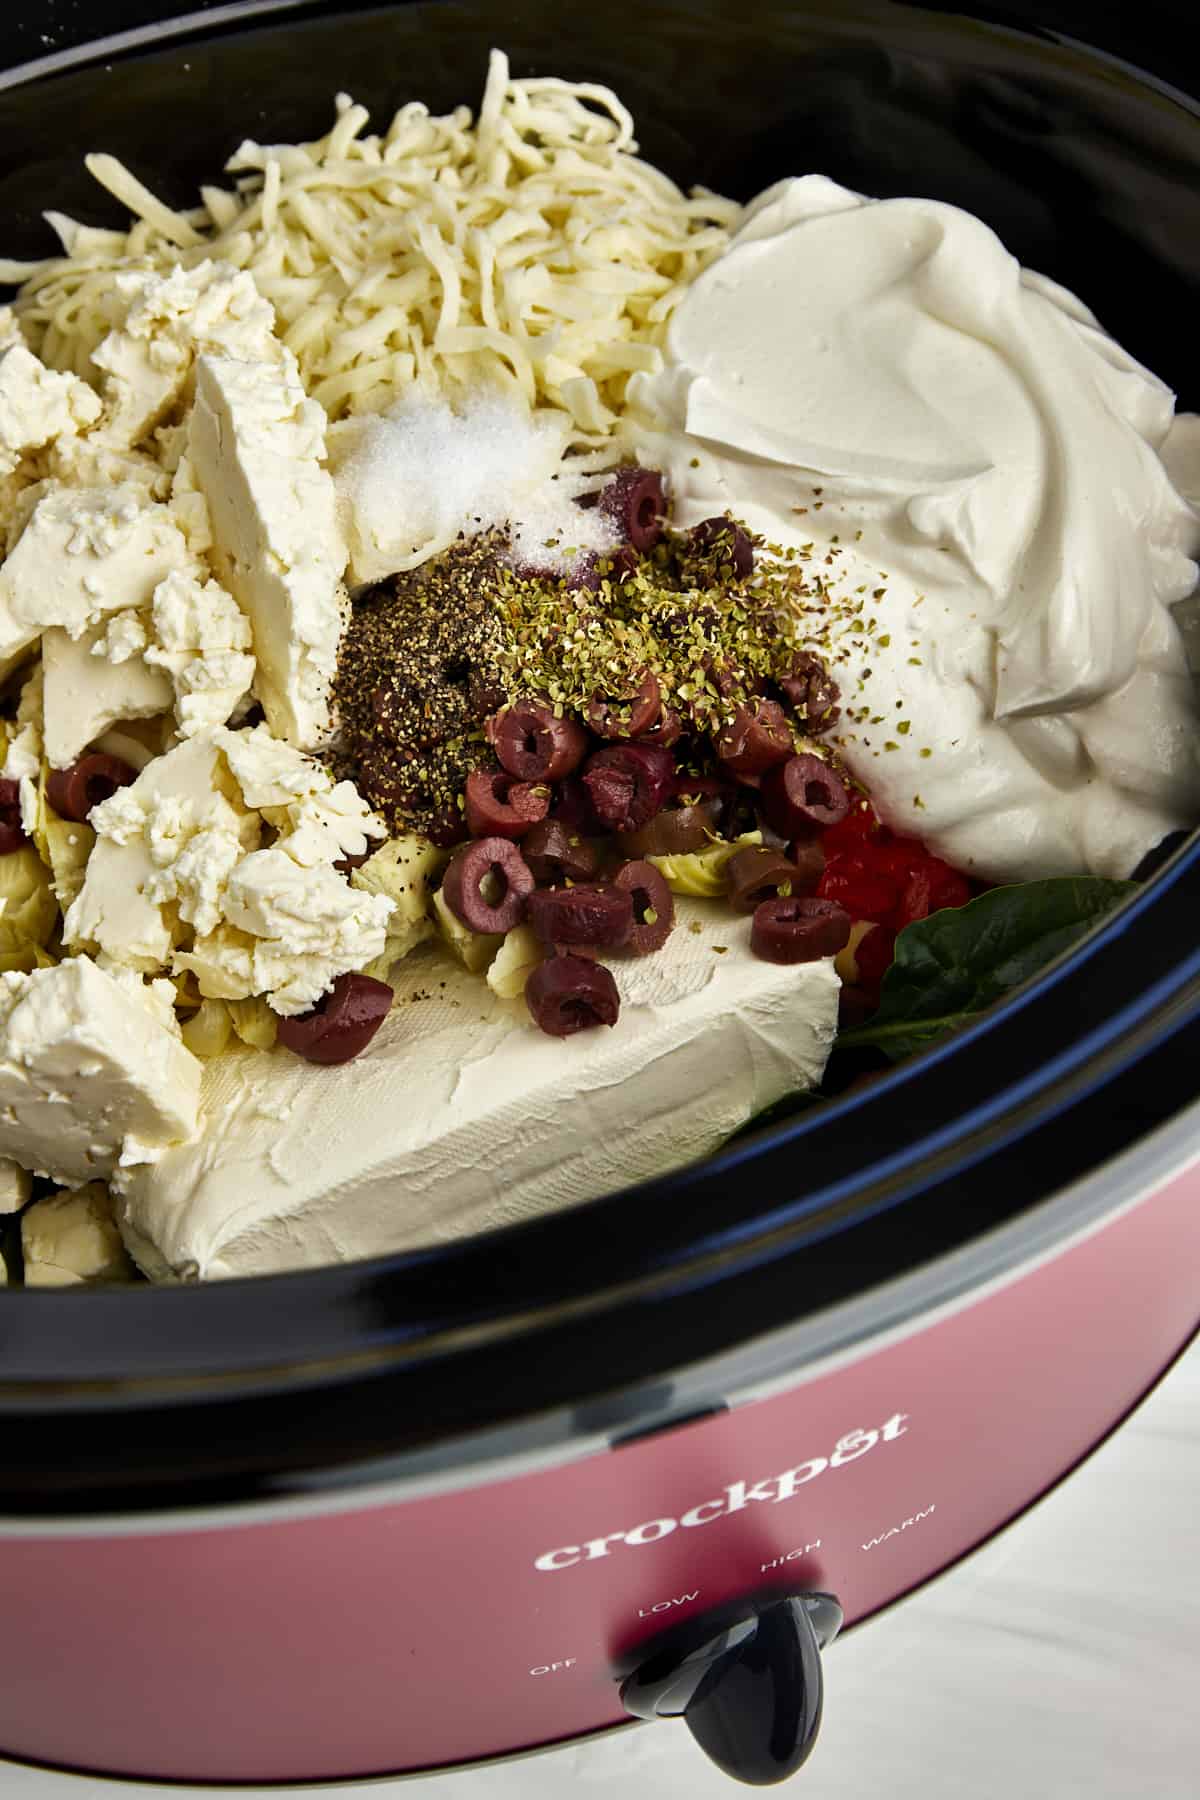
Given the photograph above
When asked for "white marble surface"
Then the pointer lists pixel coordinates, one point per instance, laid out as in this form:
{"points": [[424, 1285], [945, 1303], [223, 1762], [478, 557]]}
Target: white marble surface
{"points": [[1061, 1662]]}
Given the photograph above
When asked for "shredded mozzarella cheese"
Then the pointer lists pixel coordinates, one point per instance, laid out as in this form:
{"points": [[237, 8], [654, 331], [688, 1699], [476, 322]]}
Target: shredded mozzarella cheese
{"points": [[530, 249]]}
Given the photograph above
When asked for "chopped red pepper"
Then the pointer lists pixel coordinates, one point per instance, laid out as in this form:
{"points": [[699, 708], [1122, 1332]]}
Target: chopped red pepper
{"points": [[877, 874]]}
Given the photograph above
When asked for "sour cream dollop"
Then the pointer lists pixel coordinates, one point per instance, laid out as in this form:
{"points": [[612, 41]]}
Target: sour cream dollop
{"points": [[974, 470]]}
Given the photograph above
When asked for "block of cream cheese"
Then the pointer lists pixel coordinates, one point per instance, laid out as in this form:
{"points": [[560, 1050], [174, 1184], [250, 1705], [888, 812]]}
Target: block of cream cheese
{"points": [[93, 1075], [256, 444], [461, 1116]]}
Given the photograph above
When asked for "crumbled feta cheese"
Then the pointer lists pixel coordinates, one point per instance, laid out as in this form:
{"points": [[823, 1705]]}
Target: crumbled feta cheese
{"points": [[202, 639], [87, 690], [85, 553], [91, 1075], [71, 1238], [38, 405], [10, 329], [159, 324], [269, 772], [256, 444], [125, 635], [27, 799], [141, 830], [88, 462], [122, 817], [189, 505], [196, 876], [174, 850], [222, 962], [15, 1186], [310, 925], [327, 827]]}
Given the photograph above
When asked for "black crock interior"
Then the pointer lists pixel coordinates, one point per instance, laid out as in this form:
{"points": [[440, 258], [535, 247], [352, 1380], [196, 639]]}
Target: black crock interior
{"points": [[1092, 174]]}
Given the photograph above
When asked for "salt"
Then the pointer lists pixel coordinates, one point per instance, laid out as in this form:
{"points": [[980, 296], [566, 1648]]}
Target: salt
{"points": [[412, 480]]}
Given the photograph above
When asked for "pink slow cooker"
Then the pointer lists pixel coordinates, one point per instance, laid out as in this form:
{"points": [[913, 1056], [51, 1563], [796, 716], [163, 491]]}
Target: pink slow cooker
{"points": [[642, 1459]]}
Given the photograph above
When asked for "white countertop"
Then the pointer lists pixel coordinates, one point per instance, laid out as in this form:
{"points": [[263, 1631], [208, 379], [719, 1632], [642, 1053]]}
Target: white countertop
{"points": [[1062, 1662]]}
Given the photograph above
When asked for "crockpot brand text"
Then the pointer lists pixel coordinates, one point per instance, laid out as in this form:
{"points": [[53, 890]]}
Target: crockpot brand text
{"points": [[735, 1498]]}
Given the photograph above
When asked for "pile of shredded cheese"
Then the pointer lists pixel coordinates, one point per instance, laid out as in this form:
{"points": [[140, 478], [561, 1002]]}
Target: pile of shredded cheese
{"points": [[530, 248]]}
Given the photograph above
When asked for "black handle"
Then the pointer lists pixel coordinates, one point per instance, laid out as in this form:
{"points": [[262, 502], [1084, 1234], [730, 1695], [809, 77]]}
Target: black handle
{"points": [[749, 1690]]}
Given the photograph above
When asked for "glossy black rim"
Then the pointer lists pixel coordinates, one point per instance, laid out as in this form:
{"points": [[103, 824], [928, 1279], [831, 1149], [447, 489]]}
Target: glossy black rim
{"points": [[406, 1350]]}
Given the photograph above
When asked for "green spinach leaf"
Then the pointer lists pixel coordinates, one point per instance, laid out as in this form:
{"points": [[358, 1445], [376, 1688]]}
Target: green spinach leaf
{"points": [[950, 967]]}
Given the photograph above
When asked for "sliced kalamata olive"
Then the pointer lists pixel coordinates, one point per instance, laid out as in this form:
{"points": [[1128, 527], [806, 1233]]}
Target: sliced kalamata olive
{"points": [[801, 794], [809, 858], [556, 853], [595, 914], [487, 885], [675, 831], [813, 695], [534, 745], [653, 906], [75, 791], [342, 1023], [12, 832], [571, 804], [758, 875], [627, 718], [567, 994], [498, 806], [666, 730], [628, 784], [724, 800], [724, 541], [635, 500], [758, 738], [799, 930]]}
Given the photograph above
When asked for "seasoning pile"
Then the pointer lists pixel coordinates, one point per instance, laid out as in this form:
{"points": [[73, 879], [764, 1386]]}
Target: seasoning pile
{"points": [[585, 731]]}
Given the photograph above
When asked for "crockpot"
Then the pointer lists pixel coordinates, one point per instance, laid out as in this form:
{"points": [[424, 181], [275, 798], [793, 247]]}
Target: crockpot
{"points": [[645, 1457]]}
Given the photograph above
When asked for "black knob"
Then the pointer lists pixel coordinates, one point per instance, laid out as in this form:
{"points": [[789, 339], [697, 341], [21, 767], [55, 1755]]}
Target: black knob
{"points": [[747, 1685]]}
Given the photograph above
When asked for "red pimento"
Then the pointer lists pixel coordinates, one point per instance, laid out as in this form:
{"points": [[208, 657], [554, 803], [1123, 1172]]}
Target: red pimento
{"points": [[890, 880]]}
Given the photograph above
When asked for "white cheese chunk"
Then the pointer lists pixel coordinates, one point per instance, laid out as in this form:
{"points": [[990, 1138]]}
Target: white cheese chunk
{"points": [[86, 693], [141, 831], [85, 553], [461, 1116], [93, 1075], [269, 772], [38, 405], [256, 444], [160, 321], [71, 1238], [202, 640], [92, 461], [174, 851], [309, 924], [15, 1185]]}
